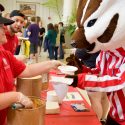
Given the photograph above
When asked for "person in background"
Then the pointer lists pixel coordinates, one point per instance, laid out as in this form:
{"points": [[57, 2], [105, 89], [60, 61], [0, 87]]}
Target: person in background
{"points": [[26, 42], [26, 25], [19, 34], [11, 68], [57, 41], [51, 39], [62, 40], [33, 32], [11, 30], [41, 35]]}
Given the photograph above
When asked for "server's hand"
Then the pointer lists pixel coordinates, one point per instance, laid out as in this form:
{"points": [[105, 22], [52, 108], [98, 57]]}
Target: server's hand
{"points": [[55, 64], [24, 100]]}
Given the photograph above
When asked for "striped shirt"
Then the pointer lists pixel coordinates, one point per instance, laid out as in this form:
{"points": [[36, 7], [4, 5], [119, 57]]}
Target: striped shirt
{"points": [[111, 78]]}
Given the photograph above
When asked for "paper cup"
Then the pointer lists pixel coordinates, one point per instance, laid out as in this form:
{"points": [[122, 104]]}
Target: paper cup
{"points": [[61, 90], [52, 96], [60, 85], [59, 93], [70, 70]]}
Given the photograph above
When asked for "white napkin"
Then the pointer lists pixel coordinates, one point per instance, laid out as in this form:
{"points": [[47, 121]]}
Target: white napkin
{"points": [[61, 80]]}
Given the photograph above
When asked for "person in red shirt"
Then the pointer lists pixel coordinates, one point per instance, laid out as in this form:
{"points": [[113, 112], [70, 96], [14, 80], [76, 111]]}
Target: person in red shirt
{"points": [[12, 40], [11, 68]]}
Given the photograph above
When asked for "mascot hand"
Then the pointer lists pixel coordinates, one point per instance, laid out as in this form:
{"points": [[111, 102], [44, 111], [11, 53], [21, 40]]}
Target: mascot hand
{"points": [[75, 79], [74, 61]]}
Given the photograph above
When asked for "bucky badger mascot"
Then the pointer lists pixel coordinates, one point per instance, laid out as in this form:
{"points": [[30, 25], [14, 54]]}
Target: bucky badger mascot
{"points": [[101, 26]]}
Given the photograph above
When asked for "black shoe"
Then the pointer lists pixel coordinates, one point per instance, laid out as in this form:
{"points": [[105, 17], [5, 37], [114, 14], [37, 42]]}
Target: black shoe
{"points": [[103, 122]]}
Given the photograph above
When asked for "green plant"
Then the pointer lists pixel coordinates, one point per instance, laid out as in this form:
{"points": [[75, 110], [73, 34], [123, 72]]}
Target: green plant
{"points": [[71, 23], [70, 29], [55, 5]]}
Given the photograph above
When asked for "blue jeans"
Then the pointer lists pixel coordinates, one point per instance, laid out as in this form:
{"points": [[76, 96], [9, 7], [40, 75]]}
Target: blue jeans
{"points": [[56, 52], [51, 51], [61, 51]]}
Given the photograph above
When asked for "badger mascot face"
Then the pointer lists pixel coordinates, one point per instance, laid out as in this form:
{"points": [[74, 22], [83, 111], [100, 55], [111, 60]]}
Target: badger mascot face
{"points": [[101, 26]]}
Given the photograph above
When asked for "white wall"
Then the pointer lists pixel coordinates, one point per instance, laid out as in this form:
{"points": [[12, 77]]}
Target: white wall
{"points": [[41, 11]]}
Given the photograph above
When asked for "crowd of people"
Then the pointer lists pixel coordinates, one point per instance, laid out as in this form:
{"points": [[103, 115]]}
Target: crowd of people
{"points": [[54, 38], [11, 67], [51, 40]]}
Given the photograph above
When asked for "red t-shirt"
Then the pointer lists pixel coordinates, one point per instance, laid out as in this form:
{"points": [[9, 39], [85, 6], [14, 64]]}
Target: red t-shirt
{"points": [[12, 42], [10, 68]]}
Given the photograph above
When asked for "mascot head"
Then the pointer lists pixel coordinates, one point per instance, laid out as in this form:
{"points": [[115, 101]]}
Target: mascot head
{"points": [[101, 25]]}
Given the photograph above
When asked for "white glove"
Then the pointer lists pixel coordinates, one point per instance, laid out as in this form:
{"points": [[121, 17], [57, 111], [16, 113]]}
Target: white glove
{"points": [[24, 100]]}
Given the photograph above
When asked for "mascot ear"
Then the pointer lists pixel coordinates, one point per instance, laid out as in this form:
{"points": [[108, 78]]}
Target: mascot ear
{"points": [[78, 38], [81, 6], [92, 7]]}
